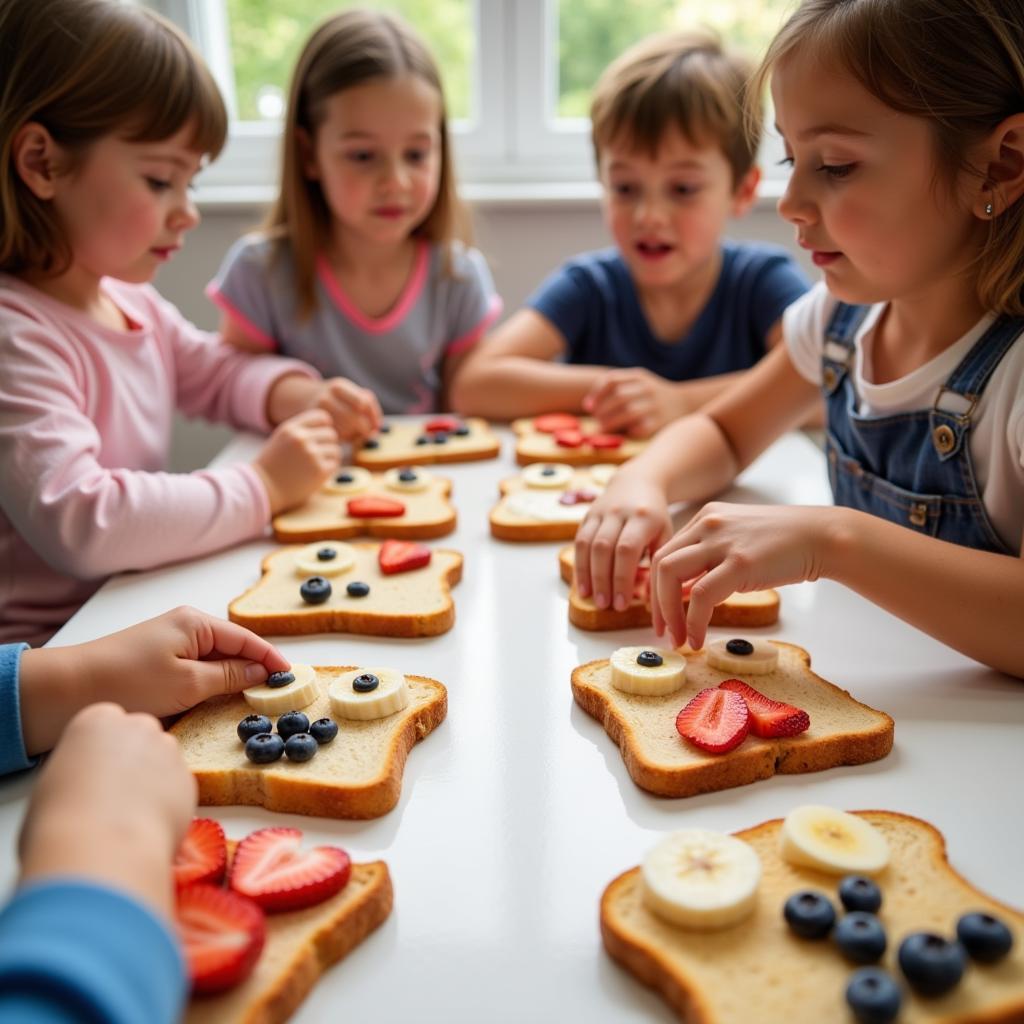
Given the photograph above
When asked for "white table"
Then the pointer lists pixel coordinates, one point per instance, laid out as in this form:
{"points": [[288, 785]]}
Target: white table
{"points": [[517, 811]]}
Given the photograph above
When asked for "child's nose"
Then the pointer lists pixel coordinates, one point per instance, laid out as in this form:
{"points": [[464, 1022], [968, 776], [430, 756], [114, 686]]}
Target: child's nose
{"points": [[185, 214], [396, 174], [793, 204], [650, 210]]}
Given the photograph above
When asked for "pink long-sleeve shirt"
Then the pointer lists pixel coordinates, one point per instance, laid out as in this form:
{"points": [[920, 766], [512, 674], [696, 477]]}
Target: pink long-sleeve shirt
{"points": [[85, 429]]}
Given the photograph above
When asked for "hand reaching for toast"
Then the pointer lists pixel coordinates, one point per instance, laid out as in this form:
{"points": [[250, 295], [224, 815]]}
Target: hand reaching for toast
{"points": [[634, 401]]}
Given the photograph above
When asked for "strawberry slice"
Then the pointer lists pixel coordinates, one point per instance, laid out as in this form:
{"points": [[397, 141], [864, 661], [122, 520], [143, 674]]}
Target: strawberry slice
{"points": [[203, 854], [401, 556], [769, 718], [221, 933], [375, 508], [442, 425], [604, 440], [270, 869], [552, 422], [568, 438], [642, 584], [715, 720]]}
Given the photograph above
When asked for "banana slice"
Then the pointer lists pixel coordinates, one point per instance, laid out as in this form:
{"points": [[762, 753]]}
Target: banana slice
{"points": [[368, 693], [833, 841], [696, 878], [270, 700], [408, 478], [602, 473], [349, 480], [647, 671], [746, 657], [547, 475], [324, 558]]}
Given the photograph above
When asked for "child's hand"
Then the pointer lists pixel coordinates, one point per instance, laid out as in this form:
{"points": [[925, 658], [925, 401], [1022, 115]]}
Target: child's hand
{"points": [[629, 518], [731, 549], [299, 456], [111, 805], [354, 411], [634, 402]]}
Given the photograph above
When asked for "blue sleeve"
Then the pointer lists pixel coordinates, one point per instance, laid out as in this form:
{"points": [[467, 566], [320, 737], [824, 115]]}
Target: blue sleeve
{"points": [[563, 299], [242, 290], [780, 283], [12, 744], [75, 952]]}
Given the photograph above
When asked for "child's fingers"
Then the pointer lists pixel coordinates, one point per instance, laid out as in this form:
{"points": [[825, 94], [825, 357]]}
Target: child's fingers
{"points": [[633, 540], [602, 558], [711, 589], [581, 549], [224, 676], [233, 641]]}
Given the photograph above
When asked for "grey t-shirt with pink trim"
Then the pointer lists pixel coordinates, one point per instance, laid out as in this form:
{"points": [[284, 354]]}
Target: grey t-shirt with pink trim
{"points": [[398, 356]]}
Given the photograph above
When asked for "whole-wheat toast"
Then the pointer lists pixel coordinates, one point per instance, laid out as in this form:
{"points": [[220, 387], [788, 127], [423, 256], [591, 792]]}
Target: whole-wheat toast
{"points": [[404, 604], [758, 970], [398, 447], [533, 445], [525, 513], [748, 611], [357, 775], [843, 731]]}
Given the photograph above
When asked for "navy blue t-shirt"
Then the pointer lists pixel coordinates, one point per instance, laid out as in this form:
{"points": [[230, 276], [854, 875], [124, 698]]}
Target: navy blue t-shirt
{"points": [[592, 301]]}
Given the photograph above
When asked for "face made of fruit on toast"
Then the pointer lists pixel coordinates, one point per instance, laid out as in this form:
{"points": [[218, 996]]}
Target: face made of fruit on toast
{"points": [[397, 588], [439, 439], [751, 610], [408, 503], [330, 741], [547, 501], [574, 440], [737, 711], [824, 916]]}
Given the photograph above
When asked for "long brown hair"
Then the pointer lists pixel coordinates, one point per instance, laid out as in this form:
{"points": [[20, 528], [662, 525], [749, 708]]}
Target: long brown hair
{"points": [[345, 50], [85, 69]]}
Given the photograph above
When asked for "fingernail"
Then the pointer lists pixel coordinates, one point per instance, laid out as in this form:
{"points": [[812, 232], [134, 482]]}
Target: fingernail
{"points": [[583, 589], [620, 603], [601, 601], [255, 673]]}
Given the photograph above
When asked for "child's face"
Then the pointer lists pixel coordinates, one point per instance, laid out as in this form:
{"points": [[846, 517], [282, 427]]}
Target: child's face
{"points": [[377, 156], [863, 194], [127, 207], [667, 213]]}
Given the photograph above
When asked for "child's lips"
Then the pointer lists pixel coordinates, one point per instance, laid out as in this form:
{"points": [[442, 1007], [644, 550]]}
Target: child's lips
{"points": [[389, 212], [653, 250], [820, 258], [164, 252]]}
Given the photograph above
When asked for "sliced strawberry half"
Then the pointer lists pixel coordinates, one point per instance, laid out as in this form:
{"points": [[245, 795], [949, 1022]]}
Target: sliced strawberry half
{"points": [[375, 508], [715, 720], [401, 556], [203, 854], [769, 718], [604, 440], [552, 422], [442, 425], [568, 438], [270, 869], [222, 934]]}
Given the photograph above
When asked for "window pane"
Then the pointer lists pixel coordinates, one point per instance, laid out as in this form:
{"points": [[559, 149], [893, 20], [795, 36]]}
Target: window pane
{"points": [[591, 33], [266, 36]]}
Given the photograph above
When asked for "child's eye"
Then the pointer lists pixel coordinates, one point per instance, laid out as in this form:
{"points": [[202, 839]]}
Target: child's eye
{"points": [[684, 191], [360, 156], [837, 171], [624, 189], [157, 184], [786, 161], [416, 156]]}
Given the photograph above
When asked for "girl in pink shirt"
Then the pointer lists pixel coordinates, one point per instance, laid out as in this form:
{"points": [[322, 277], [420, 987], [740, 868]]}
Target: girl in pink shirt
{"points": [[107, 114]]}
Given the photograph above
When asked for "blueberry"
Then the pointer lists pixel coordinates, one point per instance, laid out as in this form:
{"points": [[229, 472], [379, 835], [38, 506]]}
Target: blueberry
{"points": [[326, 555], [440, 437], [344, 478], [741, 647], [315, 590], [365, 683], [859, 893], [462, 431], [408, 476], [323, 730], [933, 965], [548, 471], [985, 937], [371, 442], [810, 914], [264, 748], [300, 747], [874, 996], [278, 679], [385, 428], [253, 725], [292, 722], [649, 659], [357, 589], [423, 439], [860, 937]]}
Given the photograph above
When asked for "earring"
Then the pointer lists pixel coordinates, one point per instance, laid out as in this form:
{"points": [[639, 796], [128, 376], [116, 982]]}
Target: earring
{"points": [[988, 210]]}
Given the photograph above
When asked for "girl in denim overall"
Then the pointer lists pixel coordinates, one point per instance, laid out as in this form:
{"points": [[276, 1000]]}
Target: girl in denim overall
{"points": [[904, 127]]}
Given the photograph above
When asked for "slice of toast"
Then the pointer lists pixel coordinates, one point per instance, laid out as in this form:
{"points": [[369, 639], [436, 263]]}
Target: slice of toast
{"points": [[526, 513], [413, 603], [758, 970], [357, 775], [843, 731], [428, 513], [398, 446], [749, 611], [533, 445], [300, 946]]}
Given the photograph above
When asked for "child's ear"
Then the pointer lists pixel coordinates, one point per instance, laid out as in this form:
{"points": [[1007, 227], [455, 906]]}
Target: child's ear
{"points": [[36, 159], [746, 192], [306, 155], [1003, 164]]}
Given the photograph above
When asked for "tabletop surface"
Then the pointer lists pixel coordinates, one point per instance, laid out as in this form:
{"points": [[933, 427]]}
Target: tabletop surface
{"points": [[518, 810]]}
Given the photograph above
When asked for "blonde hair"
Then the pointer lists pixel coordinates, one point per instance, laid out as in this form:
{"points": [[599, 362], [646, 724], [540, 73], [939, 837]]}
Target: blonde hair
{"points": [[958, 65], [685, 79], [347, 49], [85, 69]]}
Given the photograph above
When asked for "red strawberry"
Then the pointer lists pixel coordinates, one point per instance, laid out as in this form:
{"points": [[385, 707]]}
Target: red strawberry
{"points": [[203, 854], [442, 425], [401, 556], [642, 584], [222, 934], [715, 720], [375, 508], [269, 868], [769, 718], [568, 438], [552, 422], [604, 440]]}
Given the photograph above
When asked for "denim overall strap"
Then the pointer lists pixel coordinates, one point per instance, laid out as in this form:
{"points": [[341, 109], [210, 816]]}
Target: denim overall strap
{"points": [[837, 355]]}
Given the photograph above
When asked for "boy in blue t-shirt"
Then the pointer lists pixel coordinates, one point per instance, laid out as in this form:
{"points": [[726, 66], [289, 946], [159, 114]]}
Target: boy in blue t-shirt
{"points": [[642, 333]]}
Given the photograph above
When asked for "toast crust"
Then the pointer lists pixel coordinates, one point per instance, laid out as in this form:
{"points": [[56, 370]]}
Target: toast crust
{"points": [[357, 775], [843, 730], [534, 446], [507, 524], [805, 981], [408, 604], [301, 945], [398, 447]]}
